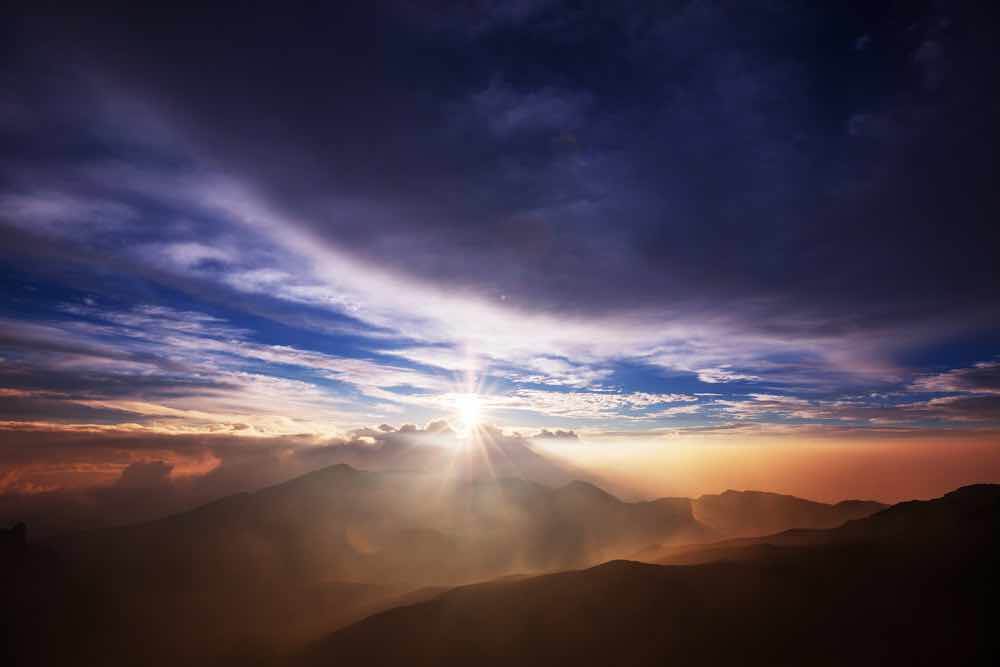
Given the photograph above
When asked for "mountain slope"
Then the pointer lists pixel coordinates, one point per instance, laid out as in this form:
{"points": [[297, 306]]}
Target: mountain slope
{"points": [[955, 517], [866, 596], [740, 516], [261, 571], [256, 573], [745, 513], [344, 524], [339, 523]]}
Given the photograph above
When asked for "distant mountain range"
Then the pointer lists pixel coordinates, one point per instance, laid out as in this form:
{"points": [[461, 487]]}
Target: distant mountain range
{"points": [[255, 576], [910, 585], [340, 523], [745, 513], [736, 514]]}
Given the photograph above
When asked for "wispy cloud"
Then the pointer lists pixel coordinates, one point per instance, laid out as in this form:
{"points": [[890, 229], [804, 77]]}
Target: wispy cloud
{"points": [[982, 378]]}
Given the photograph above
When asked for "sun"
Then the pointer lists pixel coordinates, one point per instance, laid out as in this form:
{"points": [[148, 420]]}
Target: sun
{"points": [[469, 408]]}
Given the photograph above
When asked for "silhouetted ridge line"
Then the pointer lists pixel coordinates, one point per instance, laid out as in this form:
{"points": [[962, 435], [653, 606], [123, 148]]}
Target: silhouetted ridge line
{"points": [[876, 601]]}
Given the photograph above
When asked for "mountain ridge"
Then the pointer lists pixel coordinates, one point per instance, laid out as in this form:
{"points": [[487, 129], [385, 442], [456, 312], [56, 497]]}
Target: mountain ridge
{"points": [[367, 508], [293, 561], [891, 605]]}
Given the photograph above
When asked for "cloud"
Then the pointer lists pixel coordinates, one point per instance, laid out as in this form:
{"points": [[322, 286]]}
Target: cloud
{"points": [[961, 408], [674, 411], [187, 368], [507, 111], [198, 371], [758, 405], [63, 214], [559, 373], [723, 374], [484, 224], [583, 405], [556, 434], [980, 405], [444, 357], [187, 255], [981, 378]]}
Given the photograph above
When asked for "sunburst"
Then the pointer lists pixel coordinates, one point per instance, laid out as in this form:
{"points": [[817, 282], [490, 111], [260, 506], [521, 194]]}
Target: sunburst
{"points": [[469, 410]]}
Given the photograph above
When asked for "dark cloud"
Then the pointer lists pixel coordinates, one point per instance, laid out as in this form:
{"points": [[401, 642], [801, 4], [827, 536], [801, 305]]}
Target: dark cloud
{"points": [[974, 396], [982, 378], [963, 408], [585, 159]]}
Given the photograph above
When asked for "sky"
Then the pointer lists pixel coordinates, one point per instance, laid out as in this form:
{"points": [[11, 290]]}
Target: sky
{"points": [[234, 236]]}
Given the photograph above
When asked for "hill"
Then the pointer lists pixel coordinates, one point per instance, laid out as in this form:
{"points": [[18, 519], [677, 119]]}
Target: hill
{"points": [[861, 594], [958, 513], [745, 513], [259, 573]]}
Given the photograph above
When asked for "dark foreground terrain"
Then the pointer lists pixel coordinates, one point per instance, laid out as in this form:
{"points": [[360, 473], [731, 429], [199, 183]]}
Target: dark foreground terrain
{"points": [[913, 585], [347, 567]]}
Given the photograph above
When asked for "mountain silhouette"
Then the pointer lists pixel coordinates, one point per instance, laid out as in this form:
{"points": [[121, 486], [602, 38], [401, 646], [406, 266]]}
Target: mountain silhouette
{"points": [[256, 575], [744, 513], [959, 512], [736, 514], [340, 523], [863, 593]]}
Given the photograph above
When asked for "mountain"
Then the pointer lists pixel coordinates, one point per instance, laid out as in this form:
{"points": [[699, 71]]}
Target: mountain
{"points": [[256, 573], [259, 573], [958, 512], [343, 524], [745, 513], [339, 523], [740, 514], [909, 585]]}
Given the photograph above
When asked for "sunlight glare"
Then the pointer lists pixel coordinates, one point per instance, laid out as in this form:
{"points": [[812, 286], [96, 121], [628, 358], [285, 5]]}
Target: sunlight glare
{"points": [[469, 409]]}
